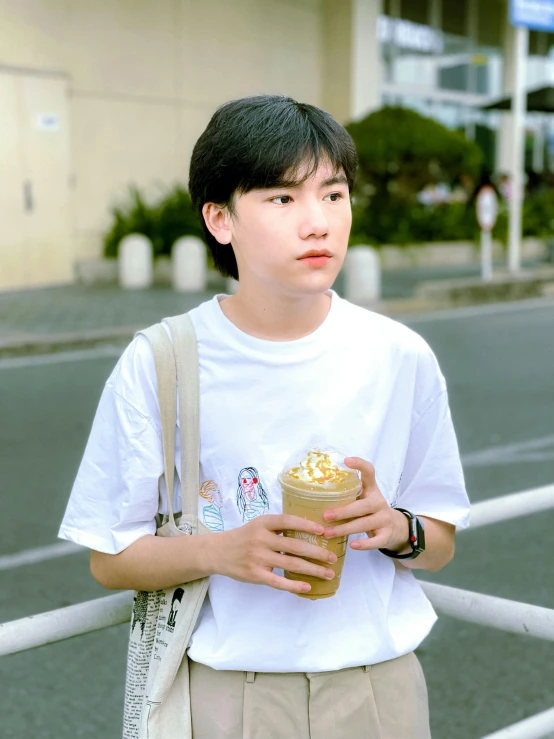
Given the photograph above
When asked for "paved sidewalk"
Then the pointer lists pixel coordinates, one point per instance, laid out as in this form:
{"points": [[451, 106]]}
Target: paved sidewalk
{"points": [[75, 316]]}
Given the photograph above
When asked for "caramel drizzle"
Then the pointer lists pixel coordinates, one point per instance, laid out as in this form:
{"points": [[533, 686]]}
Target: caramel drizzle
{"points": [[318, 468]]}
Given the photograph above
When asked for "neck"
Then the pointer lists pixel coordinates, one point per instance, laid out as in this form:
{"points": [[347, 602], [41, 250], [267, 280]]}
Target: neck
{"points": [[276, 317]]}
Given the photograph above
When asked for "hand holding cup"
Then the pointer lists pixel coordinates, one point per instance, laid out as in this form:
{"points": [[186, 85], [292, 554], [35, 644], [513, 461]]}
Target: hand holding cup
{"points": [[252, 552], [371, 514]]}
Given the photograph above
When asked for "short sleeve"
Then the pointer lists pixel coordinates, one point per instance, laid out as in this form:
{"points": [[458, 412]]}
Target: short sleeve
{"points": [[432, 482], [114, 499]]}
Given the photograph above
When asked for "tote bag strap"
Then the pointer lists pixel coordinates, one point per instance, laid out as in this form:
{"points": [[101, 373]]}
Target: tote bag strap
{"points": [[164, 361], [186, 359]]}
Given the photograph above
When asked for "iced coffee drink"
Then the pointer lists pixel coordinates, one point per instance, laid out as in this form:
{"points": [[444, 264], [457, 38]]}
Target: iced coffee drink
{"points": [[311, 484]]}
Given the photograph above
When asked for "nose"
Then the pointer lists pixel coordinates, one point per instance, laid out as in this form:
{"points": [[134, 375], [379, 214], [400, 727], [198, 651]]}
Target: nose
{"points": [[314, 221]]}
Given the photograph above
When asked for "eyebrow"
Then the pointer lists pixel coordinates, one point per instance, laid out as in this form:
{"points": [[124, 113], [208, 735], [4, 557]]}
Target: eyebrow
{"points": [[338, 179]]}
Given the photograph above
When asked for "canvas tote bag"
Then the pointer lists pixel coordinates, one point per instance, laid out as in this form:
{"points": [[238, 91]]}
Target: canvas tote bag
{"points": [[157, 695]]}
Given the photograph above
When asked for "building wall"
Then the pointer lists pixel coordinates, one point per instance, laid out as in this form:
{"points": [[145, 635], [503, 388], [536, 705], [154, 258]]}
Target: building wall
{"points": [[145, 77]]}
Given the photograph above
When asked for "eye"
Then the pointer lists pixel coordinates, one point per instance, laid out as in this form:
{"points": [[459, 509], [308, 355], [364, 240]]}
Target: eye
{"points": [[282, 197], [255, 481], [336, 195], [244, 480]]}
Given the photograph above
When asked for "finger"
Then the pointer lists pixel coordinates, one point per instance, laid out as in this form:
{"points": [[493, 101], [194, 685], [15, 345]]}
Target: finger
{"points": [[303, 567], [359, 525], [299, 548], [281, 583], [366, 469], [286, 522], [378, 541], [363, 507]]}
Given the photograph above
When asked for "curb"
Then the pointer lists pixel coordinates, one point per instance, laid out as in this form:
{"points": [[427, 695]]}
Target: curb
{"points": [[29, 344], [50, 343]]}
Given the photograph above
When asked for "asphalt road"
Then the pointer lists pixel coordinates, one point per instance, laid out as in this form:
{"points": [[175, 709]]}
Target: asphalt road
{"points": [[499, 364]]}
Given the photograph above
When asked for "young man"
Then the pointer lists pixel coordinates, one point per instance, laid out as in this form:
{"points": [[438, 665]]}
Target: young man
{"points": [[285, 364]]}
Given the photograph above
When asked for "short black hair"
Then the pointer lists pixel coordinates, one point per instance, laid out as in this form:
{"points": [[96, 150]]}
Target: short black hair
{"points": [[261, 142]]}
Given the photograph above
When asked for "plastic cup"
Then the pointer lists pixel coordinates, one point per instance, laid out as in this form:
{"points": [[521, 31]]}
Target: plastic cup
{"points": [[309, 500]]}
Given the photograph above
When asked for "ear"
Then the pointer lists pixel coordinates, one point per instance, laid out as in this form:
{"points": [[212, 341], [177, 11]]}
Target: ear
{"points": [[217, 221]]}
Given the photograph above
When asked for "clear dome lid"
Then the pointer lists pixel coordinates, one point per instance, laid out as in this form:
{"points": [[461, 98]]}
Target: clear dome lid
{"points": [[319, 468]]}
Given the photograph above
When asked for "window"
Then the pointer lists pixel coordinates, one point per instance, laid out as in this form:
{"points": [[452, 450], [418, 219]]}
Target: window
{"points": [[454, 16], [416, 11], [491, 17]]}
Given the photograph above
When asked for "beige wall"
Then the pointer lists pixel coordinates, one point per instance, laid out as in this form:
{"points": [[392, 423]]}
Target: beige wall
{"points": [[145, 76]]}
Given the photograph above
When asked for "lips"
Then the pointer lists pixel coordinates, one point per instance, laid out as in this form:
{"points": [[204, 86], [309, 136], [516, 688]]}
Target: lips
{"points": [[316, 253], [315, 262]]}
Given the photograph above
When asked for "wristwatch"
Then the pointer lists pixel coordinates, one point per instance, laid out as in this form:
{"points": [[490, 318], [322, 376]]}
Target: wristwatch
{"points": [[416, 538]]}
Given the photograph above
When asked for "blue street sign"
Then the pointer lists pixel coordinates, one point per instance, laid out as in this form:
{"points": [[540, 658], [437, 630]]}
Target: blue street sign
{"points": [[535, 14]]}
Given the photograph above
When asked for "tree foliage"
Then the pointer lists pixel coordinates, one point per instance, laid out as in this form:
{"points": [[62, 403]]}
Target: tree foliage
{"points": [[400, 153]]}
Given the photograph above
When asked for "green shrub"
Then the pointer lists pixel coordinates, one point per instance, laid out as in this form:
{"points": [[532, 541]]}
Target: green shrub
{"points": [[538, 214], [175, 217], [449, 222], [408, 224], [163, 222]]}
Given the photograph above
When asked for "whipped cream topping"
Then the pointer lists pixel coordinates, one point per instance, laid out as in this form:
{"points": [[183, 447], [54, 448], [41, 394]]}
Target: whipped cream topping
{"points": [[318, 467]]}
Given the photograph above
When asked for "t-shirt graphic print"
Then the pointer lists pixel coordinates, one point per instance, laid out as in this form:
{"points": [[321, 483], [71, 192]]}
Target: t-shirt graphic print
{"points": [[212, 500], [252, 499]]}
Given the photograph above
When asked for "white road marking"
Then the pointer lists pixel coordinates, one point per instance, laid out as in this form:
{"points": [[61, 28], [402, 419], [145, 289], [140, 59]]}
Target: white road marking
{"points": [[39, 554], [76, 355], [531, 450], [472, 311]]}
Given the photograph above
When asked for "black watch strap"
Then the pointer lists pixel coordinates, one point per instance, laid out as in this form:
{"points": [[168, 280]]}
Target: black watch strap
{"points": [[416, 537]]}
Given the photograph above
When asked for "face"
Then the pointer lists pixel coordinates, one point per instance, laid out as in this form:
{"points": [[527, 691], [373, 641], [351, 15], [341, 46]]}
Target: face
{"points": [[274, 231], [248, 484]]}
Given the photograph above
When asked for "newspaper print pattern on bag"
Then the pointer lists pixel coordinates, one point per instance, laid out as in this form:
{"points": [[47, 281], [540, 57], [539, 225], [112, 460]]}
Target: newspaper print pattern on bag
{"points": [[147, 647], [141, 642]]}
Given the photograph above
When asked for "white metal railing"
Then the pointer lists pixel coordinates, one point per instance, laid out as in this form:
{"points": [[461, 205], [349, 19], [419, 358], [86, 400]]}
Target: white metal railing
{"points": [[505, 507], [488, 610], [507, 615], [536, 727], [63, 623]]}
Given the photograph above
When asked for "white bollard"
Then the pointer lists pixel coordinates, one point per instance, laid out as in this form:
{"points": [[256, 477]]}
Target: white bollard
{"points": [[189, 269], [232, 286], [135, 262], [362, 275]]}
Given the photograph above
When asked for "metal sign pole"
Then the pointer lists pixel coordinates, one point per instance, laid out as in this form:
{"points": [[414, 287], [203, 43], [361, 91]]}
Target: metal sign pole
{"points": [[521, 41], [486, 256]]}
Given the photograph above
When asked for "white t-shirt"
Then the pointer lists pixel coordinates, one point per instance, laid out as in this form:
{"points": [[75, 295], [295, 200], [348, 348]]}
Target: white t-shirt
{"points": [[361, 383]]}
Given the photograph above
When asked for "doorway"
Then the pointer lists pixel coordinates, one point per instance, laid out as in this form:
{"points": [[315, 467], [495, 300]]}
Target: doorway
{"points": [[35, 212]]}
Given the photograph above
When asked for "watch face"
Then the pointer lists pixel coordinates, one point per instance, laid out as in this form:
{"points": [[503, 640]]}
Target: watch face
{"points": [[417, 537], [420, 544]]}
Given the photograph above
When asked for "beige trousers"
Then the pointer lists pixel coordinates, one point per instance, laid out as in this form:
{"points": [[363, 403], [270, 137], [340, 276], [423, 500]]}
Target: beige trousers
{"points": [[383, 701]]}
